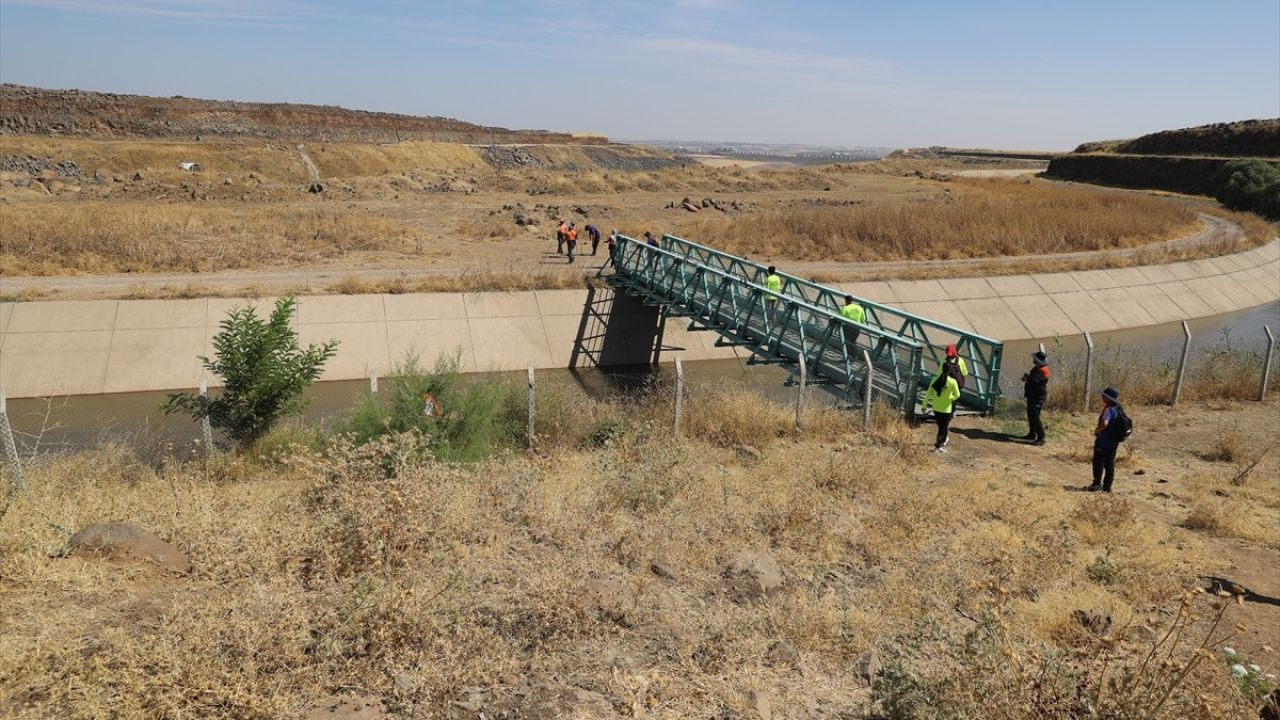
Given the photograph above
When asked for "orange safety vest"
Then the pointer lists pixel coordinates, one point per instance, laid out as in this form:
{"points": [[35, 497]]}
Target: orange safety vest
{"points": [[573, 236]]}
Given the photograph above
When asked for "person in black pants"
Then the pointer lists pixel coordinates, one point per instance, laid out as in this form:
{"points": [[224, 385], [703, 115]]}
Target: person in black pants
{"points": [[1035, 388], [1106, 442]]}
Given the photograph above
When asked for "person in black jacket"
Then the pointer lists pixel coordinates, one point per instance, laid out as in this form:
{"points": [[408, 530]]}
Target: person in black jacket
{"points": [[1035, 388]]}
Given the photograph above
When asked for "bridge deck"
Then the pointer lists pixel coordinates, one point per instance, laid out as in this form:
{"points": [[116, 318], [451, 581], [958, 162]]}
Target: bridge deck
{"points": [[726, 294]]}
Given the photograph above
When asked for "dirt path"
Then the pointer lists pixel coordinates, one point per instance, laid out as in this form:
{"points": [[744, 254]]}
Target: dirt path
{"points": [[312, 171], [1166, 476], [532, 254]]}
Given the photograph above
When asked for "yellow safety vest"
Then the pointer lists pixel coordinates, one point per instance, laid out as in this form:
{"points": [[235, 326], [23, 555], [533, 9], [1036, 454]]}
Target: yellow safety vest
{"points": [[944, 402], [854, 312], [773, 284]]}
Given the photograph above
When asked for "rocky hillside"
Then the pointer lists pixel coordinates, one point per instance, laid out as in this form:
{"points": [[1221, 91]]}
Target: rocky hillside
{"points": [[1245, 138], [35, 111]]}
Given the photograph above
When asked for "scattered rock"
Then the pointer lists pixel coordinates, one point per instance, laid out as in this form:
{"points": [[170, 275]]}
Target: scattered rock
{"points": [[759, 701], [22, 181], [868, 667], [613, 600], [1139, 472], [121, 541], [137, 176], [581, 211], [783, 654], [315, 188], [1095, 621], [358, 707], [751, 575], [662, 570], [749, 454]]}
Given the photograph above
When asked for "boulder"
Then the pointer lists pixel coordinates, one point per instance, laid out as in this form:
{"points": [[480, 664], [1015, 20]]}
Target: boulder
{"points": [[315, 188], [751, 575], [137, 176], [122, 541]]}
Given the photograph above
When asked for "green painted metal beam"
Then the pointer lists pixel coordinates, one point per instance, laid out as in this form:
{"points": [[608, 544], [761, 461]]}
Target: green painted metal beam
{"points": [[982, 355], [777, 328]]}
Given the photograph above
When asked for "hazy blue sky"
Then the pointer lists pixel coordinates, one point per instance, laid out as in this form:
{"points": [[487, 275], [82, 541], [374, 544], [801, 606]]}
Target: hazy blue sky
{"points": [[1024, 74]]}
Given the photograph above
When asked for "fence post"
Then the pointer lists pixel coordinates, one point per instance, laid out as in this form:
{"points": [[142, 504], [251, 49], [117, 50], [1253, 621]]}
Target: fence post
{"points": [[373, 382], [1182, 362], [804, 372], [679, 392], [529, 429], [206, 430], [1088, 368], [10, 447], [866, 391], [1266, 363]]}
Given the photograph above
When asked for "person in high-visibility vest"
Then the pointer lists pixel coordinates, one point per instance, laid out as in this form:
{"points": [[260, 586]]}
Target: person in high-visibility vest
{"points": [[853, 311], [773, 284], [941, 397]]}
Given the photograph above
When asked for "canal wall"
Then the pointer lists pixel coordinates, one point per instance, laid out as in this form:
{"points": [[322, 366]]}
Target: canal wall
{"points": [[110, 346]]}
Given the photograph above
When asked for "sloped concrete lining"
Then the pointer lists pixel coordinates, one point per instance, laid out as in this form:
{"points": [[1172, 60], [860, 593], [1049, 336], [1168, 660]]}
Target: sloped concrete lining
{"points": [[86, 347]]}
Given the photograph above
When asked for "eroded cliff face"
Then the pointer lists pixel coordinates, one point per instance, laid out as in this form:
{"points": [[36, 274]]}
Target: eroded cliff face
{"points": [[36, 111]]}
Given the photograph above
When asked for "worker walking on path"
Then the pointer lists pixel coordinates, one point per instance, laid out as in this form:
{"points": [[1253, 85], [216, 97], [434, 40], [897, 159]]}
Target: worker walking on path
{"points": [[611, 244], [571, 240], [594, 233], [941, 397], [852, 311], [1113, 428], [1035, 388], [562, 234], [773, 284]]}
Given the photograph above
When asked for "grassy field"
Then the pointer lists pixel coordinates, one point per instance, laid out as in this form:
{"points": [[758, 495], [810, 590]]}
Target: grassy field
{"points": [[623, 572], [977, 218], [100, 237]]}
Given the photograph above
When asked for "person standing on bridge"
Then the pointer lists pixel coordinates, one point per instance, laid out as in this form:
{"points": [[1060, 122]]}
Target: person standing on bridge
{"points": [[773, 288], [594, 233], [852, 311], [941, 397], [1035, 388]]}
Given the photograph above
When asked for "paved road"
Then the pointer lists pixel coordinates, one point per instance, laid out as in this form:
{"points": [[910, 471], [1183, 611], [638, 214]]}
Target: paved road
{"points": [[316, 278]]}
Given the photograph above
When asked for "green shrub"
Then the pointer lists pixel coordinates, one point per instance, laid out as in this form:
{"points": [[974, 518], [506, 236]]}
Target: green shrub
{"points": [[263, 373], [1252, 185], [470, 422]]}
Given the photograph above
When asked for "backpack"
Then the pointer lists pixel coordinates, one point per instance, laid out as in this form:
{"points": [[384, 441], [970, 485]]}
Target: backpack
{"points": [[953, 369], [1121, 426]]}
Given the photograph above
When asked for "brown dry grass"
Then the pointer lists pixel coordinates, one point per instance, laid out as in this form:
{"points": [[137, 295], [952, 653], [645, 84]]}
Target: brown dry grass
{"points": [[99, 237], [324, 570], [979, 217]]}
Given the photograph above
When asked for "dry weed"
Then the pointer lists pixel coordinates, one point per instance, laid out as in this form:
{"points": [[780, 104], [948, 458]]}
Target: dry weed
{"points": [[979, 217]]}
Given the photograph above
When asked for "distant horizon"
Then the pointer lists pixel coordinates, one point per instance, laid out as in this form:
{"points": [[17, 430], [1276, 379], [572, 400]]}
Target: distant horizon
{"points": [[815, 72], [623, 140]]}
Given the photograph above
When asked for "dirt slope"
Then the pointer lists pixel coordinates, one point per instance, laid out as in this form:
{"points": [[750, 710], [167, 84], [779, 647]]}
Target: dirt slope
{"points": [[31, 110]]}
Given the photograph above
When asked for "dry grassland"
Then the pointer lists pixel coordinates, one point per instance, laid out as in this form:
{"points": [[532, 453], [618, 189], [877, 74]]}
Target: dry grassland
{"points": [[979, 217], [102, 237], [601, 572]]}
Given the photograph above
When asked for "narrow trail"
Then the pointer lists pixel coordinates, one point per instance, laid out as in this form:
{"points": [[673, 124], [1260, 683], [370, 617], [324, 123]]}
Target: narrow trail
{"points": [[313, 172]]}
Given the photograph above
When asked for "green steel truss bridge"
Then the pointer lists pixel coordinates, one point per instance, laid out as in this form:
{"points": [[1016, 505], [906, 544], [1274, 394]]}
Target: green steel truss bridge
{"points": [[801, 325]]}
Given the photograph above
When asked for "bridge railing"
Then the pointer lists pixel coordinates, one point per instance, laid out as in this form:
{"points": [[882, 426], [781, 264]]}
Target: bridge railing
{"points": [[776, 327], [982, 355]]}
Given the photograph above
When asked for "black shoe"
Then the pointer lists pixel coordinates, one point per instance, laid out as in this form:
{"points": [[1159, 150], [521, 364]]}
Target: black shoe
{"points": [[1093, 488], [1038, 443]]}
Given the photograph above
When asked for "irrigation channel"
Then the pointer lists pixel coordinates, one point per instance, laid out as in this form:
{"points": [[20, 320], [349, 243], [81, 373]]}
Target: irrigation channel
{"points": [[84, 421]]}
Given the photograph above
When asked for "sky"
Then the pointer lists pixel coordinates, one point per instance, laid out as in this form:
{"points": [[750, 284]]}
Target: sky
{"points": [[1019, 74]]}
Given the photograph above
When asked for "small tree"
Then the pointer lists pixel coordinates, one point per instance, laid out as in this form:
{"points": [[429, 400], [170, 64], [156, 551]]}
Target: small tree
{"points": [[263, 373], [1250, 184]]}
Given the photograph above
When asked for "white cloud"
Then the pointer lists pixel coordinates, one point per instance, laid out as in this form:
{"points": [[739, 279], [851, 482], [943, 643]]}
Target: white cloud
{"points": [[274, 11]]}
